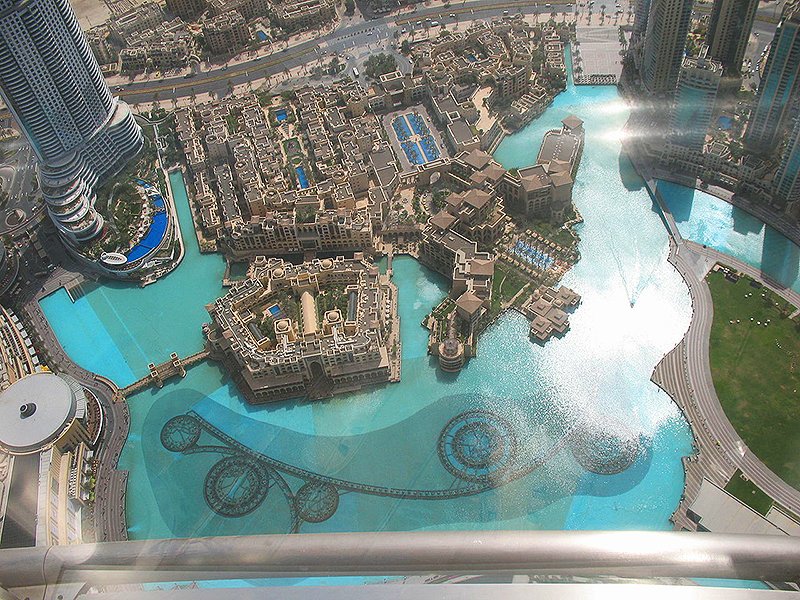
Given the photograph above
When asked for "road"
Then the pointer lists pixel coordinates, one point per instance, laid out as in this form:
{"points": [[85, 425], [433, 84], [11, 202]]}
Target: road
{"points": [[375, 33]]}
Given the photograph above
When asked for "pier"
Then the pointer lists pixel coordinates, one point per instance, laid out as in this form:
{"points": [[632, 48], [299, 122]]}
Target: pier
{"points": [[175, 366]]}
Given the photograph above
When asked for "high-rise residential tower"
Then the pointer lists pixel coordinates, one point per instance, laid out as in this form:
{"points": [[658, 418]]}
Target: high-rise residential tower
{"points": [[778, 86], [53, 86], [729, 32], [694, 101], [640, 17], [665, 39], [787, 180]]}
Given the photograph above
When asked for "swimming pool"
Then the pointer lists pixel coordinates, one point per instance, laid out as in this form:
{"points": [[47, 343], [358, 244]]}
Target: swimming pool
{"points": [[401, 128], [302, 178], [532, 255], [281, 115]]}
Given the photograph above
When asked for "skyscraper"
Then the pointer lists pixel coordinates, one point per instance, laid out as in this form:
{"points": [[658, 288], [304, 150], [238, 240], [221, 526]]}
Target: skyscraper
{"points": [[54, 87], [787, 180], [778, 86], [694, 101], [640, 17], [729, 32], [667, 27]]}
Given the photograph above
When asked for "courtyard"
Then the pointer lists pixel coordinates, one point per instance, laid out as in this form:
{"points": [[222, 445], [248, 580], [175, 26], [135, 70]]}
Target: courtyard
{"points": [[414, 140]]}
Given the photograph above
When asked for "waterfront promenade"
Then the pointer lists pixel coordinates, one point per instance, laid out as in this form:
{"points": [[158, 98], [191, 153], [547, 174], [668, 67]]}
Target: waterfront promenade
{"points": [[108, 511], [776, 220], [685, 374]]}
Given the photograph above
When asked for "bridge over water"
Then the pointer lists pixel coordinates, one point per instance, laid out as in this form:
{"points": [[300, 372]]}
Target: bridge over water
{"points": [[666, 213], [175, 366]]}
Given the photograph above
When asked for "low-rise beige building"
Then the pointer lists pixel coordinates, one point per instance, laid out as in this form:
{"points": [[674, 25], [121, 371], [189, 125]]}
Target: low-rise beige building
{"points": [[310, 330]]}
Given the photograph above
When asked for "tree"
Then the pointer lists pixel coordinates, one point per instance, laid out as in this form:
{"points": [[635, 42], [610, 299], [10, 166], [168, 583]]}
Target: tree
{"points": [[380, 64], [349, 7], [405, 47]]}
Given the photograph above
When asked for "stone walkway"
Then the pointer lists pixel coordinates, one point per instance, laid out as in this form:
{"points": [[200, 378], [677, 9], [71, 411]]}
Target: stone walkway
{"points": [[685, 374], [110, 486]]}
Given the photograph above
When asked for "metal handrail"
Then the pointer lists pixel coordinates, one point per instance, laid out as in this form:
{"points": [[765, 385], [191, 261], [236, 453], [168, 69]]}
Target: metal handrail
{"points": [[621, 554]]}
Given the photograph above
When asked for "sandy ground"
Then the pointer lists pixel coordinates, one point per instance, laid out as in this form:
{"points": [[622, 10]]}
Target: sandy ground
{"points": [[90, 12], [486, 120]]}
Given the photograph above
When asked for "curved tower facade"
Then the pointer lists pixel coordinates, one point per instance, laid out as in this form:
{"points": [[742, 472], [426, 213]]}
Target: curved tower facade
{"points": [[53, 85]]}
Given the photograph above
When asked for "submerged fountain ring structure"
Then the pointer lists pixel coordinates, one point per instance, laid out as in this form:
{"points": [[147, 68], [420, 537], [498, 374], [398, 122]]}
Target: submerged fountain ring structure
{"points": [[316, 501], [180, 433], [477, 446], [236, 485]]}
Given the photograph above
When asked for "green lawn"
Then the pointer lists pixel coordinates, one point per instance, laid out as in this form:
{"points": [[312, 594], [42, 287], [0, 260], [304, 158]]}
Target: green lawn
{"points": [[756, 373], [505, 284], [749, 493]]}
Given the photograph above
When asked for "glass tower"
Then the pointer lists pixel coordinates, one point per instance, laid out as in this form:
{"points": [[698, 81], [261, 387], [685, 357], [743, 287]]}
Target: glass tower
{"points": [[777, 88], [787, 179], [729, 32], [665, 39], [694, 101], [54, 88]]}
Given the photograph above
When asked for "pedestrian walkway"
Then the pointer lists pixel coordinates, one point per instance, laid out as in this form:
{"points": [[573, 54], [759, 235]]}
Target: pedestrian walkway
{"points": [[685, 374]]}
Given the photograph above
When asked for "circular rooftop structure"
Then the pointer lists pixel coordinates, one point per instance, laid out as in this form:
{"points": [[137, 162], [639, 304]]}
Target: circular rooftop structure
{"points": [[34, 412]]}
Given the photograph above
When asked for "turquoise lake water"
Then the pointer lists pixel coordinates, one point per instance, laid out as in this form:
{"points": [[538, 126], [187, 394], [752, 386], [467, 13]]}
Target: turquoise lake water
{"points": [[595, 379], [707, 220]]}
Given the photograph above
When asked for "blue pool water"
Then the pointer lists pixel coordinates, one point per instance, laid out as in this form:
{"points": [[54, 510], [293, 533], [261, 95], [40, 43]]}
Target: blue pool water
{"points": [[418, 124], [118, 328], [281, 115], [302, 179], [725, 122], [429, 148], [274, 310], [401, 128], [262, 37], [541, 259], [635, 308], [154, 236], [708, 220]]}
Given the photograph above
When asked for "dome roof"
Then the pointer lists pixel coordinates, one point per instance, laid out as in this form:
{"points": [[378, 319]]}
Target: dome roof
{"points": [[34, 412]]}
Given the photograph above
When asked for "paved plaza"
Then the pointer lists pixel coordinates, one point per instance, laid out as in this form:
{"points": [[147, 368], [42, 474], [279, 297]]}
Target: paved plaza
{"points": [[597, 54]]}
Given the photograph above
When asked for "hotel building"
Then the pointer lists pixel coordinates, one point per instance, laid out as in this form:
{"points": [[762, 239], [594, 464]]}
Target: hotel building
{"points": [[665, 39], [80, 133], [729, 32], [777, 89], [311, 330], [694, 101]]}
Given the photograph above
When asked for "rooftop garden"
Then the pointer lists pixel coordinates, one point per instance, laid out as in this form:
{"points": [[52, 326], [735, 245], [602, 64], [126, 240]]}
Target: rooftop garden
{"points": [[750, 494], [332, 298], [121, 204]]}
